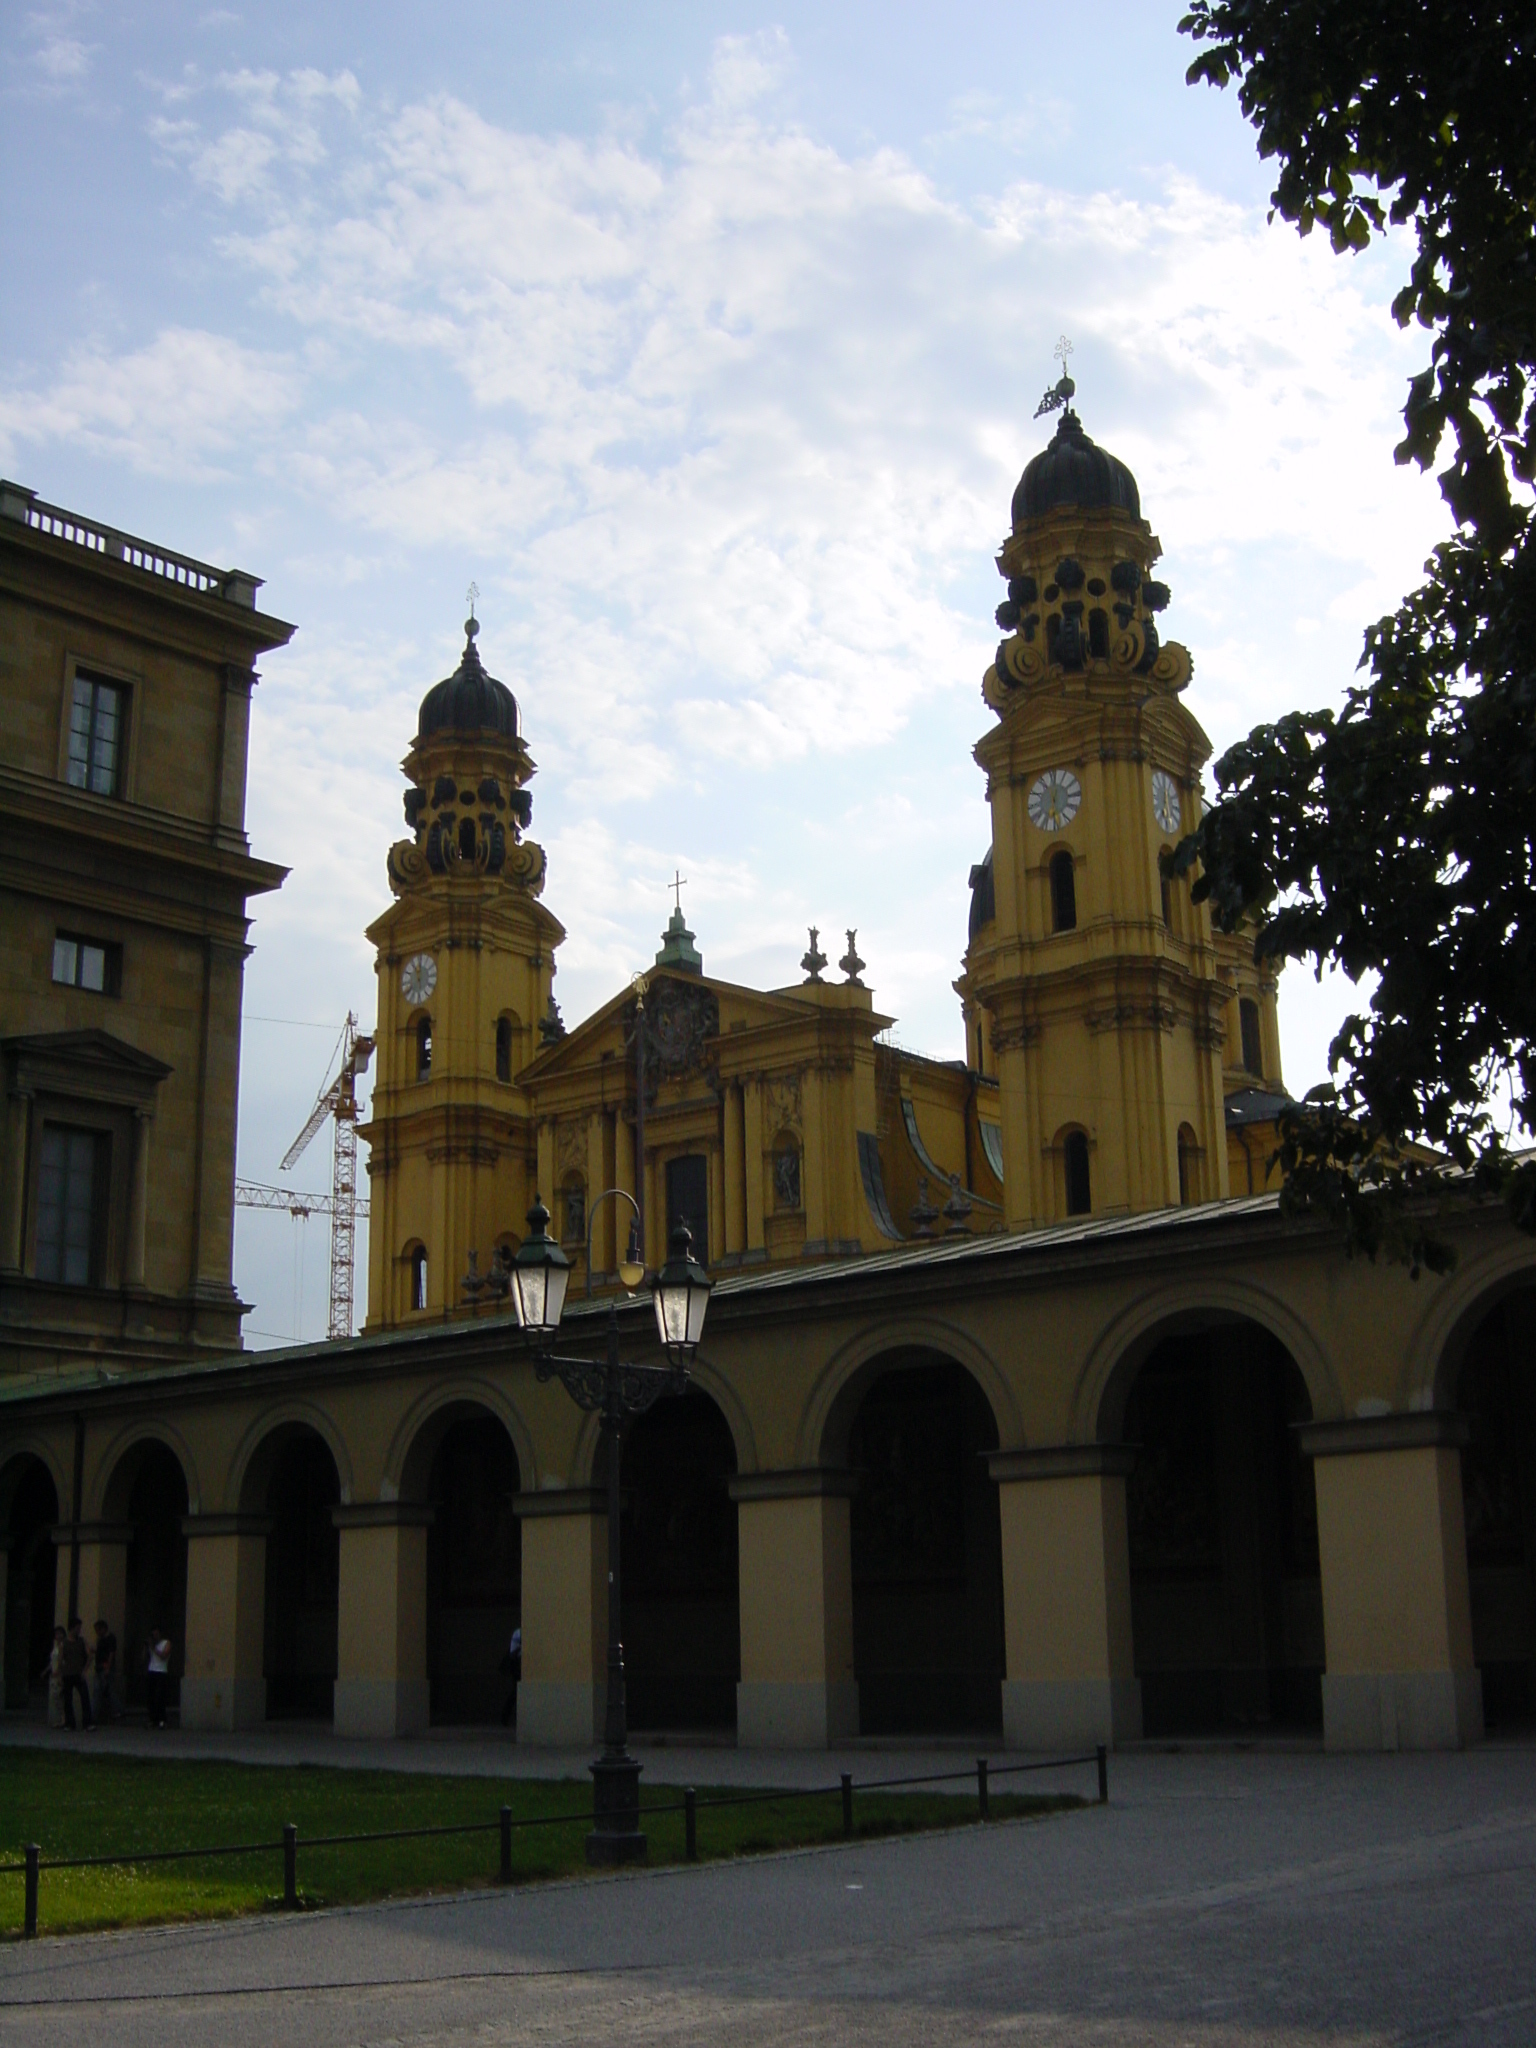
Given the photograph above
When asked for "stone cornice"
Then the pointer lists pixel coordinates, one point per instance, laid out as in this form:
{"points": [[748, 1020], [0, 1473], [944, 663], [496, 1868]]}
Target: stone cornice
{"points": [[1430, 1429]]}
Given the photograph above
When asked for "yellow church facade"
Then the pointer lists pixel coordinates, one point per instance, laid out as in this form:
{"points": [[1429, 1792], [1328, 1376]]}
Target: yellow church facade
{"points": [[1120, 1056], [1020, 1412]]}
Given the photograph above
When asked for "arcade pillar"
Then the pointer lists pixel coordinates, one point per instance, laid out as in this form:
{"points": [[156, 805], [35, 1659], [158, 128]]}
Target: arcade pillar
{"points": [[1397, 1612], [797, 1688], [560, 1697], [1071, 1675], [381, 1619], [222, 1685]]}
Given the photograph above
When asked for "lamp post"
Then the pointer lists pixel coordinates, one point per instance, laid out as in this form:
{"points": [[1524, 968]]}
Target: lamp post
{"points": [[535, 1285]]}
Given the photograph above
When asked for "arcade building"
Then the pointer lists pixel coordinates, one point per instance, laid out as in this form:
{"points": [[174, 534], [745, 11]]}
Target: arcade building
{"points": [[1020, 1413]]}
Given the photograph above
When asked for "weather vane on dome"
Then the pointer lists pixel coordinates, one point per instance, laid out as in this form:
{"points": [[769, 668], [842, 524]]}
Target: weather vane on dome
{"points": [[1061, 392]]}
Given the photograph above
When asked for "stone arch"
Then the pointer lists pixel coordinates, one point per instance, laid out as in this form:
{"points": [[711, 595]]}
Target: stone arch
{"points": [[107, 1499], [709, 1380], [1123, 1346], [464, 1452], [1460, 1302], [250, 1468], [146, 1486], [916, 1426], [13, 1465], [31, 1502], [1209, 1382], [852, 1369], [289, 1473], [419, 1430], [681, 1611]]}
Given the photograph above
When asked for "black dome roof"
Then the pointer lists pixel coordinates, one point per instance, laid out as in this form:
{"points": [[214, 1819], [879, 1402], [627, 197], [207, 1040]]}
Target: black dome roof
{"points": [[1072, 470], [469, 700]]}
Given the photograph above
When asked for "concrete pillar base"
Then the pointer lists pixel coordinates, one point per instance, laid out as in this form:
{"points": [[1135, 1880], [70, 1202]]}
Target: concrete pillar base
{"points": [[224, 1704], [381, 1706], [791, 1714], [1070, 1713], [559, 1713], [1403, 1710]]}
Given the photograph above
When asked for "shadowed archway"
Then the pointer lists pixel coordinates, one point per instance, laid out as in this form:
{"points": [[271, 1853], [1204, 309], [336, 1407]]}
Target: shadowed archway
{"points": [[474, 1566], [29, 1508], [148, 1493], [1496, 1389], [1226, 1595], [293, 1481], [681, 1619], [927, 1550]]}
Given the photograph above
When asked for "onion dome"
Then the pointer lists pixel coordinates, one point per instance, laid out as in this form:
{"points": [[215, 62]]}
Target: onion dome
{"points": [[1072, 470], [469, 700]]}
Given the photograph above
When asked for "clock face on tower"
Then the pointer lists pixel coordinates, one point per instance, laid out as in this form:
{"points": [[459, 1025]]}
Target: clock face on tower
{"points": [[1054, 798], [418, 977], [1166, 807]]}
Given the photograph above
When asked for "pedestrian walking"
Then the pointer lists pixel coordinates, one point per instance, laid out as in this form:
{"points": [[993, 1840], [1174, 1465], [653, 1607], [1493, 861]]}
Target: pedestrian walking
{"points": [[73, 1659], [512, 1667], [53, 1671], [158, 1675], [104, 1674]]}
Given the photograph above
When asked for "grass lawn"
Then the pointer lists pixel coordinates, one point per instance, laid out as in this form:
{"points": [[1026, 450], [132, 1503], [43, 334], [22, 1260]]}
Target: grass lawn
{"points": [[81, 1805]]}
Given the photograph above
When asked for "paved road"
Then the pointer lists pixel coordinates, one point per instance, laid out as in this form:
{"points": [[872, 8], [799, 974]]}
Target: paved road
{"points": [[1220, 1899]]}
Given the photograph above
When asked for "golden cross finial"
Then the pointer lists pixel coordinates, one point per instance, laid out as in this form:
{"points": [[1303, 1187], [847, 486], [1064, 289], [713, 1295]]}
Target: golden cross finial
{"points": [[1061, 351]]}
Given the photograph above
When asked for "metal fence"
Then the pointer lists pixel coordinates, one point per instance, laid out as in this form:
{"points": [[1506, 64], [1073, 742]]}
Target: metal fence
{"points": [[33, 1863]]}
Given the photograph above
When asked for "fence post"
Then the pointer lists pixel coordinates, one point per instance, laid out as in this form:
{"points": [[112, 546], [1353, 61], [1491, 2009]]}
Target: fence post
{"points": [[981, 1785], [691, 1824], [29, 1917], [506, 1845], [290, 1864], [1103, 1775], [847, 1802]]}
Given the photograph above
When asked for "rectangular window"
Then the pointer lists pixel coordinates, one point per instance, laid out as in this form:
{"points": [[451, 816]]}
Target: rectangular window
{"points": [[688, 1201], [1253, 1050], [97, 733], [94, 964], [69, 1181]]}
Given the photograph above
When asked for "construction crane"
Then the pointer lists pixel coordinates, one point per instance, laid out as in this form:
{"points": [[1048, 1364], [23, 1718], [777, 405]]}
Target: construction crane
{"points": [[338, 1100], [255, 1194]]}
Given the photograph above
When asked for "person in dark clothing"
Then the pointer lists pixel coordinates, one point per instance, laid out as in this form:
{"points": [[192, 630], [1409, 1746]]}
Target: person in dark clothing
{"points": [[73, 1660], [512, 1667], [157, 1678], [104, 1674]]}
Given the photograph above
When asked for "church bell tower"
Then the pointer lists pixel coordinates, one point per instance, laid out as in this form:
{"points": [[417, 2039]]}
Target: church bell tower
{"points": [[1091, 985], [465, 960]]}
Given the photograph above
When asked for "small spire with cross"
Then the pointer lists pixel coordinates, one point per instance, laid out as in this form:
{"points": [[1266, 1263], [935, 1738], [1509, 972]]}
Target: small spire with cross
{"points": [[1063, 390], [677, 885]]}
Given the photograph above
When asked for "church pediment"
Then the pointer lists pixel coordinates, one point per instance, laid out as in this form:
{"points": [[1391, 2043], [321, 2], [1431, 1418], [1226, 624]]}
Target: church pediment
{"points": [[93, 1051]]}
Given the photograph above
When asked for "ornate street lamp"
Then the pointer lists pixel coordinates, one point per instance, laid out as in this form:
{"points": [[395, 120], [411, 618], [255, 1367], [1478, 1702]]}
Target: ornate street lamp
{"points": [[535, 1285]]}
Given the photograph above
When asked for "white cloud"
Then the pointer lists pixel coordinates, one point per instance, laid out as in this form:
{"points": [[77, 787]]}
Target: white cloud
{"points": [[170, 409], [726, 428]]}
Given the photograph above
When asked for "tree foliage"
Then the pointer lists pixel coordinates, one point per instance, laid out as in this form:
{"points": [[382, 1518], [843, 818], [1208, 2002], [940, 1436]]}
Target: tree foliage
{"points": [[1397, 838]]}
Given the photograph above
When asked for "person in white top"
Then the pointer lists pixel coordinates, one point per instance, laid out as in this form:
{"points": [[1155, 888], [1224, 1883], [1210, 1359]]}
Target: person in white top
{"points": [[159, 1670]]}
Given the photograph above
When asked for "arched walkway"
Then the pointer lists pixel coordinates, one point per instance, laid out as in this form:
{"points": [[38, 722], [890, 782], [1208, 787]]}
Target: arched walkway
{"points": [[147, 1492], [29, 1507], [293, 1482], [681, 1617], [1221, 1509], [474, 1565], [1496, 1389], [926, 1551]]}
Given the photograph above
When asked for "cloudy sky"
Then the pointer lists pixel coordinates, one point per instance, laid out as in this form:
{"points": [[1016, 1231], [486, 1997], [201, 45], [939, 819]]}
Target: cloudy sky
{"points": [[706, 341]]}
